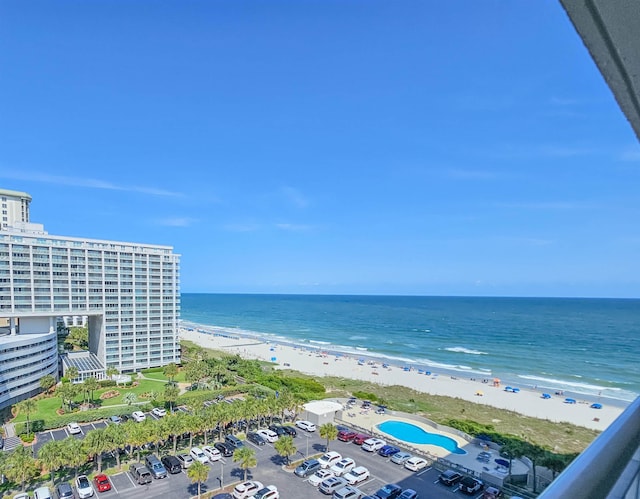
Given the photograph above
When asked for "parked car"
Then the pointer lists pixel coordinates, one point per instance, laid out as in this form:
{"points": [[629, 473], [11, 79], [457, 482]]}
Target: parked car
{"points": [[484, 456], [329, 459], [291, 431], [268, 435], [388, 450], [225, 449], [115, 420], [389, 491], [140, 473], [278, 430], [155, 466], [212, 453], [74, 428], [400, 457], [373, 444], [84, 488], [42, 493], [268, 492], [408, 494], [197, 454], [233, 441], [172, 464], [319, 476], [357, 475], [247, 489], [492, 493], [345, 465], [185, 460], [64, 491], [159, 412], [361, 438], [22, 495], [306, 425], [138, 416], [347, 492], [331, 484], [470, 485], [449, 477], [415, 463], [346, 435], [102, 482], [307, 468], [255, 438]]}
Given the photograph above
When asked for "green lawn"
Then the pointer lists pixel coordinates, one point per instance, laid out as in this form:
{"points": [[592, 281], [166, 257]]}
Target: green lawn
{"points": [[161, 377]]}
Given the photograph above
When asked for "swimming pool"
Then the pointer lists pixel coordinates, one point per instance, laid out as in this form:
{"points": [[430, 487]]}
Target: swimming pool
{"points": [[408, 432]]}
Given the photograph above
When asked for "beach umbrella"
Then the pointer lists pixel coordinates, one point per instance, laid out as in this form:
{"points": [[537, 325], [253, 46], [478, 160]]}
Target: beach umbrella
{"points": [[596, 406], [273, 359], [546, 396], [569, 401]]}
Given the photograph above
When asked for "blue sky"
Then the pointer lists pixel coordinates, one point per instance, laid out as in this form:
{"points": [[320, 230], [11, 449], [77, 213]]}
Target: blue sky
{"points": [[386, 147]]}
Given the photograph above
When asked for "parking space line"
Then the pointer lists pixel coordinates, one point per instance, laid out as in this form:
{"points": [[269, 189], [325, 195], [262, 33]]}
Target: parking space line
{"points": [[131, 479], [113, 486], [423, 471]]}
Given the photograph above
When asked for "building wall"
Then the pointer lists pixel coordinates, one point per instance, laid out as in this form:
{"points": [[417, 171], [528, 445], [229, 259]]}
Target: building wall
{"points": [[133, 288], [14, 207]]}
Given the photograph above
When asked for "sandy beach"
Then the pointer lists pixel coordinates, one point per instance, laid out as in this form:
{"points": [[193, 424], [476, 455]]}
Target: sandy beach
{"points": [[314, 362]]}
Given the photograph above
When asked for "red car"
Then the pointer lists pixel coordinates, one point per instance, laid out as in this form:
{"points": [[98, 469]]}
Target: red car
{"points": [[360, 438], [346, 435], [102, 483]]}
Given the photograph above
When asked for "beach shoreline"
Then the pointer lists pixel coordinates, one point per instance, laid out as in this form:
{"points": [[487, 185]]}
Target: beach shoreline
{"points": [[318, 360]]}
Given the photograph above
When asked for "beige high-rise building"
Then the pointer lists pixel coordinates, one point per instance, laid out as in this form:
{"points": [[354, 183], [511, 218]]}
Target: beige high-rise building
{"points": [[129, 293]]}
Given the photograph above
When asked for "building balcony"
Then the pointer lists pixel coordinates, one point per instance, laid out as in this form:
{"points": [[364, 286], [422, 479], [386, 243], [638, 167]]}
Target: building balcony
{"points": [[609, 468]]}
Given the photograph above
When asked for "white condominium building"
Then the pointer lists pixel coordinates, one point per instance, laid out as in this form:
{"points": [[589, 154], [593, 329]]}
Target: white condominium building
{"points": [[129, 292]]}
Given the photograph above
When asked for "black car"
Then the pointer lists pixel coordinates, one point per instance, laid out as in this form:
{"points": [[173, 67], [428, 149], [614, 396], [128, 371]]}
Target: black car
{"points": [[470, 485], [64, 491], [450, 477], [225, 449], [278, 430], [252, 436], [172, 464], [389, 491], [290, 430]]}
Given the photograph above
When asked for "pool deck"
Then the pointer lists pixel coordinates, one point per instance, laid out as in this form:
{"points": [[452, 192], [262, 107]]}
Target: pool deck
{"points": [[369, 420]]}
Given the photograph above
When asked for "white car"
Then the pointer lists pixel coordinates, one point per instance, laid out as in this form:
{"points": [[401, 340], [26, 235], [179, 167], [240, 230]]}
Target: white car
{"points": [[268, 492], [329, 459], [245, 490], [306, 425], [138, 416], [268, 435], [373, 444], [42, 493], [84, 488], [415, 463], [357, 475], [22, 496], [319, 476], [212, 453], [74, 428], [345, 465], [197, 455], [159, 412]]}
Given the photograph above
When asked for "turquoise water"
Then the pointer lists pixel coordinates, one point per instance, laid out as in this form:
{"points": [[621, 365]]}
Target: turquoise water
{"points": [[408, 432], [584, 347]]}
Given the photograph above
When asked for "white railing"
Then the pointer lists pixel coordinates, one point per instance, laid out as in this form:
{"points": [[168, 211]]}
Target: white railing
{"points": [[609, 468]]}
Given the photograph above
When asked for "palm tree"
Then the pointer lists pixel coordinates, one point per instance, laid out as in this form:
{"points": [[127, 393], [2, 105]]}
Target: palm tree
{"points": [[21, 466], [73, 454], [129, 398], [27, 407], [90, 385], [116, 439], [198, 472], [175, 424], [95, 443], [246, 457], [66, 392], [50, 456], [328, 431], [171, 393], [111, 372], [138, 434], [192, 424], [170, 370], [285, 447], [47, 382], [71, 373]]}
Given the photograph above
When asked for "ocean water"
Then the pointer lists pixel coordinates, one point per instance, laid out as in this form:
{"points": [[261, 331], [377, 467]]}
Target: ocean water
{"points": [[581, 346]]}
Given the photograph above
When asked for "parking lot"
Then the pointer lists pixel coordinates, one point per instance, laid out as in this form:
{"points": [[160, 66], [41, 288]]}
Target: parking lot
{"points": [[270, 471]]}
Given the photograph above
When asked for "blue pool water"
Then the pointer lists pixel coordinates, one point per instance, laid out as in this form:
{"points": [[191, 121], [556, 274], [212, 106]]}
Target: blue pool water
{"points": [[416, 435]]}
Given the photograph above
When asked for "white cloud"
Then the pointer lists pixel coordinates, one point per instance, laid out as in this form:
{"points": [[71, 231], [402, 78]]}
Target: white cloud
{"points": [[177, 221], [241, 227], [90, 183], [295, 197], [544, 205], [631, 154], [293, 227]]}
